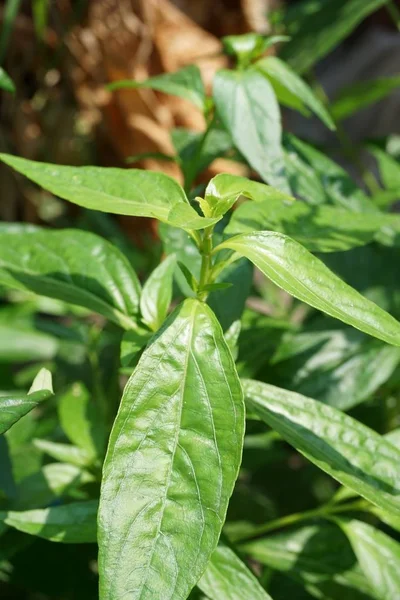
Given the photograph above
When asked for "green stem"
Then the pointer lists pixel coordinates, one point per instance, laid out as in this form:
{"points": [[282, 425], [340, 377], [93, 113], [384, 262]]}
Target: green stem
{"points": [[394, 12], [206, 262], [324, 511]]}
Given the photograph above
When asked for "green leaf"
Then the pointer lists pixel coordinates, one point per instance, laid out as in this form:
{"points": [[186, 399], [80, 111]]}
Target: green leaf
{"points": [[319, 557], [361, 94], [189, 277], [378, 555], [389, 168], [232, 338], [185, 217], [73, 266], [20, 342], [7, 483], [340, 367], [247, 107], [178, 242], [64, 452], [228, 577], [132, 192], [316, 27], [228, 304], [173, 458], [80, 420], [185, 83], [6, 82], [15, 406], [55, 480], [320, 228], [132, 343], [291, 90], [290, 266], [224, 190], [317, 179], [157, 293], [73, 523], [197, 150], [338, 444]]}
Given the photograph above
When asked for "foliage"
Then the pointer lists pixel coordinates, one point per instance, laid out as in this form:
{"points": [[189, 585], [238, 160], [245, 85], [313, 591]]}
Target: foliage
{"points": [[229, 466]]}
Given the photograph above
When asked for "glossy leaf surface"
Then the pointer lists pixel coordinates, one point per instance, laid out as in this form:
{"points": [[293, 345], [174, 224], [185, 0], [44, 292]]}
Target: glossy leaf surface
{"points": [[291, 90], [378, 555], [290, 266], [338, 444], [157, 293], [185, 83], [73, 523], [15, 406], [319, 228], [73, 266], [247, 106], [229, 578], [131, 192], [172, 461]]}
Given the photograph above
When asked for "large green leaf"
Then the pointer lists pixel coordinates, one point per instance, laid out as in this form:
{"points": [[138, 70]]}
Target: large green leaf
{"points": [[362, 94], [6, 82], [378, 555], [317, 26], [247, 106], [338, 444], [320, 228], [172, 461], [228, 578], [291, 90], [186, 83], [74, 266], [290, 266], [15, 406], [119, 191], [73, 523], [157, 293], [319, 557]]}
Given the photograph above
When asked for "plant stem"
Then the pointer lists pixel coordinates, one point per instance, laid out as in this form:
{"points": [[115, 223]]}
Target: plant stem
{"points": [[206, 262], [394, 12], [324, 511]]}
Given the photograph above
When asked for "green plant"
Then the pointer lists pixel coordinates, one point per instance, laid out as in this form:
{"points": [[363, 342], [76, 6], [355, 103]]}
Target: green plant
{"points": [[177, 441]]}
